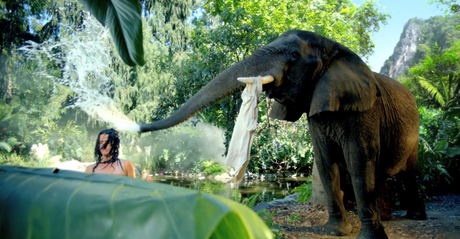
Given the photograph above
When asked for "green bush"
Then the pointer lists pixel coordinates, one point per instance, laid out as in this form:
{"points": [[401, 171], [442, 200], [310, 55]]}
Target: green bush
{"points": [[281, 147], [439, 150], [304, 190], [212, 168]]}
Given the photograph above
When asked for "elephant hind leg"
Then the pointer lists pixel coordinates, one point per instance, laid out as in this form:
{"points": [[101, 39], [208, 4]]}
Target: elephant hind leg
{"points": [[384, 200], [413, 198], [414, 202]]}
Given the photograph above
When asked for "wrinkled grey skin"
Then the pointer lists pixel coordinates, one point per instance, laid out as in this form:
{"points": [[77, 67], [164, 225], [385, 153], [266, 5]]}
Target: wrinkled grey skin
{"points": [[357, 118]]}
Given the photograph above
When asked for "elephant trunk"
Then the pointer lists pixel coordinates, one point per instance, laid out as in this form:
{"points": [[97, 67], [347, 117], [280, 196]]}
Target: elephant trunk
{"points": [[224, 84]]}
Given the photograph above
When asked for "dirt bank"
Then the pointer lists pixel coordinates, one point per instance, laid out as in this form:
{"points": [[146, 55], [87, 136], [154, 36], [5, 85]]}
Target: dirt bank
{"points": [[304, 220]]}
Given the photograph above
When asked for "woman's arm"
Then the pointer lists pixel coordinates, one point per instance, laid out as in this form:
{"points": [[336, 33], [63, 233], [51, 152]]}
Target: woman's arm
{"points": [[130, 172]]}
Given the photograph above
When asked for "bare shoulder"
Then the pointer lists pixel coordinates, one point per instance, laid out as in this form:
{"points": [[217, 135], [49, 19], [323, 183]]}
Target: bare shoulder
{"points": [[89, 168], [128, 166], [126, 162]]}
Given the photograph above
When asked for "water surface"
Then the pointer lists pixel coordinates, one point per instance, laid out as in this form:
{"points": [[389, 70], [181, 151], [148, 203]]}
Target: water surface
{"points": [[267, 190]]}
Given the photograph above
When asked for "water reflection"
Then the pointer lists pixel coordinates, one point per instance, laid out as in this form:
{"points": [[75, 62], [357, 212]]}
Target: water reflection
{"points": [[268, 190]]}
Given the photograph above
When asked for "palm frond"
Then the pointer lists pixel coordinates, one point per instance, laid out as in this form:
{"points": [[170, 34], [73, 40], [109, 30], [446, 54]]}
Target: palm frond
{"points": [[432, 90]]}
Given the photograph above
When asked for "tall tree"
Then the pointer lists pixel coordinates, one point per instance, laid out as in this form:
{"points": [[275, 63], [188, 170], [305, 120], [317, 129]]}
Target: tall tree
{"points": [[141, 91], [168, 20]]}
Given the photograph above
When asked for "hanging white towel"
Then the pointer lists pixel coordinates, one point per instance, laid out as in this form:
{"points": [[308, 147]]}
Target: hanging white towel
{"points": [[240, 144]]}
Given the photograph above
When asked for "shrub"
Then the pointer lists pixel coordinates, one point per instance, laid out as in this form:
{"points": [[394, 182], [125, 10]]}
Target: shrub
{"points": [[211, 168], [439, 150]]}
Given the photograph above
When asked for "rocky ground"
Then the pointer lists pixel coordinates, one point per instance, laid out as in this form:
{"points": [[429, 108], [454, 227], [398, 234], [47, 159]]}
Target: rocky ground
{"points": [[305, 220]]}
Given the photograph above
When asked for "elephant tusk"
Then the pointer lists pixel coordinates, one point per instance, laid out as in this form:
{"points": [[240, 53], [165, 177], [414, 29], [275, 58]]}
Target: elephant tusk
{"points": [[264, 79]]}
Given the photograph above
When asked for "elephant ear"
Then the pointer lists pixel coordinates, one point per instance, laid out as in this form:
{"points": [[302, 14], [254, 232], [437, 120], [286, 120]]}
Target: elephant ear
{"points": [[282, 112], [347, 85]]}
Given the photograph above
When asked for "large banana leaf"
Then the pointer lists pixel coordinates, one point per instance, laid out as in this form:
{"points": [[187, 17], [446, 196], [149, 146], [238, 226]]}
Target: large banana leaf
{"points": [[37, 203], [123, 17]]}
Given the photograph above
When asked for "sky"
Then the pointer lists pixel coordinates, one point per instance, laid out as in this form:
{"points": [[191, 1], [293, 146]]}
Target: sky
{"points": [[401, 11]]}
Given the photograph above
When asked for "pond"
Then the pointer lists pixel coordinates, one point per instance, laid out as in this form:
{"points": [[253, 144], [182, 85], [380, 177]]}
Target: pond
{"points": [[268, 190]]}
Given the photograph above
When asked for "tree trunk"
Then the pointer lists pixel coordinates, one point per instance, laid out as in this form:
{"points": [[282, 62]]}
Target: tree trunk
{"points": [[6, 84], [318, 195]]}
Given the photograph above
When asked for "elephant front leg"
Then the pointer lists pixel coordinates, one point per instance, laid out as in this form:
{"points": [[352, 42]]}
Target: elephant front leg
{"points": [[338, 223], [364, 185]]}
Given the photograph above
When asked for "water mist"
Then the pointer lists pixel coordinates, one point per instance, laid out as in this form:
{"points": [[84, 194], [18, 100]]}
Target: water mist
{"points": [[85, 56]]}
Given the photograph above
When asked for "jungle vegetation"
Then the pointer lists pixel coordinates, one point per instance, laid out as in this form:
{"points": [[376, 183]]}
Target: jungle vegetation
{"points": [[185, 44]]}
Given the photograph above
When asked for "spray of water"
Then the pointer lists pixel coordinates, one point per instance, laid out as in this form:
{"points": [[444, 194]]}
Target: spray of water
{"points": [[84, 55]]}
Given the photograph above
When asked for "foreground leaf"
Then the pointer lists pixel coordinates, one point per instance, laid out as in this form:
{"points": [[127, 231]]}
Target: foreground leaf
{"points": [[5, 146], [123, 17], [36, 203]]}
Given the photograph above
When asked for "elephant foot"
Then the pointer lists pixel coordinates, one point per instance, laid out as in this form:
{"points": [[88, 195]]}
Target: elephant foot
{"points": [[341, 228], [416, 215], [373, 233]]}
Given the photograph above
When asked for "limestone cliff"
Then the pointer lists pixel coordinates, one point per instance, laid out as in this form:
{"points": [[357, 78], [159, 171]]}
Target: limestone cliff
{"points": [[417, 37], [404, 51]]}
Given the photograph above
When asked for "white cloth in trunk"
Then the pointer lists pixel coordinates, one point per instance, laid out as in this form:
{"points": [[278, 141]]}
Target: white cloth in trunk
{"points": [[240, 144]]}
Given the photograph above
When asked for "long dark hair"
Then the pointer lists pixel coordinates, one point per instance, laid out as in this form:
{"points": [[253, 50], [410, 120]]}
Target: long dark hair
{"points": [[114, 142]]}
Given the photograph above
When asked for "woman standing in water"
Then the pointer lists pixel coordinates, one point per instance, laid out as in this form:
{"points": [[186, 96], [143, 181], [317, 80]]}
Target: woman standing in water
{"points": [[106, 153]]}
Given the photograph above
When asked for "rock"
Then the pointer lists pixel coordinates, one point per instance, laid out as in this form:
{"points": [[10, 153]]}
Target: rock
{"points": [[277, 203], [225, 177], [404, 51], [261, 207]]}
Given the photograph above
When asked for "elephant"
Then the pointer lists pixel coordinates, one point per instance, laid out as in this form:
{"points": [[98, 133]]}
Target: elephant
{"points": [[357, 118]]}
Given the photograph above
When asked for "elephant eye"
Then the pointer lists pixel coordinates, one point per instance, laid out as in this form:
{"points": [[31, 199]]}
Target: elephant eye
{"points": [[295, 54]]}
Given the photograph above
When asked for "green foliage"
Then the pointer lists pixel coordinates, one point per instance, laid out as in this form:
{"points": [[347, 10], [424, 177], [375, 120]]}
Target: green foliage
{"points": [[451, 5], [146, 93], [14, 19], [281, 147], [211, 168], [294, 218], [264, 214], [124, 21], [34, 20], [16, 159], [261, 21], [5, 147], [169, 22], [9, 142], [439, 150], [251, 201], [173, 212], [139, 91], [305, 192], [436, 81], [267, 217]]}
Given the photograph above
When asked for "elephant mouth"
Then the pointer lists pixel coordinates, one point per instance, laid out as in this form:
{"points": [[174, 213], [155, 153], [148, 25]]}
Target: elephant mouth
{"points": [[270, 86], [282, 90], [273, 91]]}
